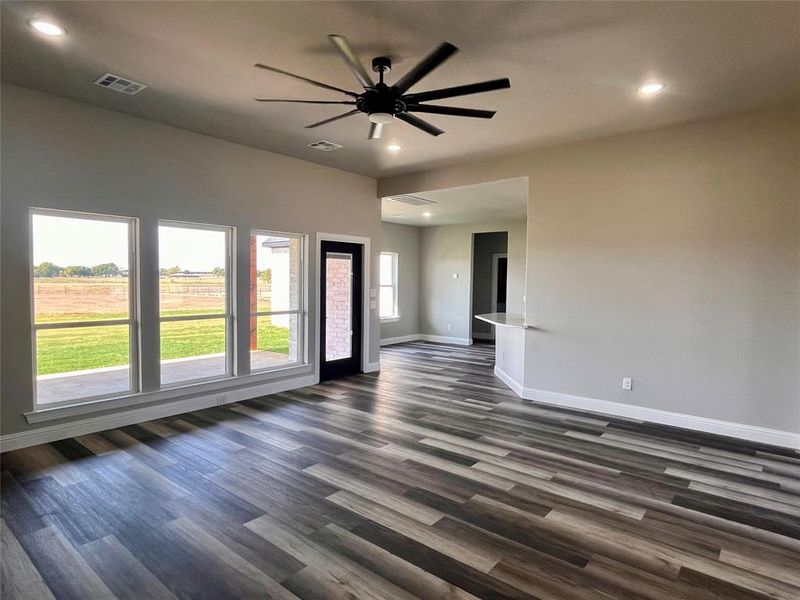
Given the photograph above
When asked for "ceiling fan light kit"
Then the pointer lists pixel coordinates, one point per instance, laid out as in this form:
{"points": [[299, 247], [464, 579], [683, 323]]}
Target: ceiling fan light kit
{"points": [[382, 102]]}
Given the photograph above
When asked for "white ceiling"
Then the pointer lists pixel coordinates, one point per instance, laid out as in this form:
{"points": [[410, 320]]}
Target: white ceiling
{"points": [[481, 203], [574, 67]]}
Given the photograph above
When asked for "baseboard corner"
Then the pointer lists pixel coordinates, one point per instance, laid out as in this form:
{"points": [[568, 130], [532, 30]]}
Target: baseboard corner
{"points": [[400, 339], [443, 339]]}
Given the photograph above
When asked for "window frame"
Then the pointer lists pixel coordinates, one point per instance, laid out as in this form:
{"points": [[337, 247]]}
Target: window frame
{"points": [[133, 321], [302, 308], [395, 286], [230, 304]]}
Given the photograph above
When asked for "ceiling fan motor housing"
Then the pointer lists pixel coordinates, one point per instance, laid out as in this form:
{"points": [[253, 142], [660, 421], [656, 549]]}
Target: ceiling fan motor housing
{"points": [[380, 99]]}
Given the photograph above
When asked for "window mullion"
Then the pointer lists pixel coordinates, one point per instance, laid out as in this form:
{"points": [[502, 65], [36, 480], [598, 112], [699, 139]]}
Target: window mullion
{"points": [[198, 317], [74, 324]]}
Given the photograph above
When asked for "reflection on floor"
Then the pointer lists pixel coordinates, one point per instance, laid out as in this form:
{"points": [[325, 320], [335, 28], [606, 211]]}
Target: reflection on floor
{"points": [[428, 480], [51, 389]]}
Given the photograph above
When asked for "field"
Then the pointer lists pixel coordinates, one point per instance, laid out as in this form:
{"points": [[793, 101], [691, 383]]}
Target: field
{"points": [[62, 299]]}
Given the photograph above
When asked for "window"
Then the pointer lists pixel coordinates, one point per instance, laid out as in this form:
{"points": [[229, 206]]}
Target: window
{"points": [[277, 309], [195, 305], [388, 288], [84, 314]]}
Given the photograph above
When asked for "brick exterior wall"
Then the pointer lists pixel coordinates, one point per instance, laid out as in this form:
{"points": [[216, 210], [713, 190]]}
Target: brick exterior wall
{"points": [[338, 298]]}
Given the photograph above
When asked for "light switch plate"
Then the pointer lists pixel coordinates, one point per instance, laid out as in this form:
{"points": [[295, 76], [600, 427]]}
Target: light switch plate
{"points": [[373, 293]]}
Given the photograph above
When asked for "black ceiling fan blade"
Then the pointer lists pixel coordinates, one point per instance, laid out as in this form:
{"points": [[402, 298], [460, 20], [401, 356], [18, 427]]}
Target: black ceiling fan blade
{"points": [[375, 130], [459, 90], [346, 52], [451, 110], [425, 66], [306, 79], [336, 118], [419, 124], [304, 101]]}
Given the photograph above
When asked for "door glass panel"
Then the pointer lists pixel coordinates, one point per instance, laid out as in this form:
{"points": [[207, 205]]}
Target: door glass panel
{"points": [[338, 305]]}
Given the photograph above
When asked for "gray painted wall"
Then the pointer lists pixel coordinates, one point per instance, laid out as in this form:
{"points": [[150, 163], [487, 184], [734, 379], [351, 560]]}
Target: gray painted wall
{"points": [[58, 153], [405, 240], [485, 246], [447, 250], [671, 256]]}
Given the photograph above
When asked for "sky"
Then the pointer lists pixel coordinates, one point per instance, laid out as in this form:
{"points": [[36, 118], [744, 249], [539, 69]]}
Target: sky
{"points": [[69, 241], [85, 242], [191, 249]]}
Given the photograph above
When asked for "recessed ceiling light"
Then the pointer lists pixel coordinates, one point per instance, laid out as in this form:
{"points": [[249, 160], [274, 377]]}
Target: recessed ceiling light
{"points": [[651, 88], [426, 214], [47, 28], [394, 147]]}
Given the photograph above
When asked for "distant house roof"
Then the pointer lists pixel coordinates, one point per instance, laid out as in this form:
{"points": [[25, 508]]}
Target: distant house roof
{"points": [[275, 243]]}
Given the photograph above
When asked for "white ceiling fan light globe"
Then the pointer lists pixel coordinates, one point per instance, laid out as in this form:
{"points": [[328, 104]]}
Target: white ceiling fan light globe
{"points": [[381, 118]]}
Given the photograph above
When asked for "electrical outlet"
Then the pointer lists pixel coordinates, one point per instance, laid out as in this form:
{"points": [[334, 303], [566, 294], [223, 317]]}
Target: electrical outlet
{"points": [[221, 399], [627, 384], [449, 327]]}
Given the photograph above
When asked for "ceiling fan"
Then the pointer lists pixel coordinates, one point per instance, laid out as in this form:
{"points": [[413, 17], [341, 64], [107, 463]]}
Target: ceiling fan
{"points": [[382, 102]]}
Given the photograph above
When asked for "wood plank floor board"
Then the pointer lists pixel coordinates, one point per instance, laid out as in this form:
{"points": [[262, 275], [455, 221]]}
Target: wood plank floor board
{"points": [[446, 568], [428, 480], [63, 569], [125, 576], [20, 513], [392, 568], [20, 578]]}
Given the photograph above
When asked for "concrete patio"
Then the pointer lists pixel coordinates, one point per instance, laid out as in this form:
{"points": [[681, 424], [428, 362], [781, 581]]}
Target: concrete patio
{"points": [[52, 389]]}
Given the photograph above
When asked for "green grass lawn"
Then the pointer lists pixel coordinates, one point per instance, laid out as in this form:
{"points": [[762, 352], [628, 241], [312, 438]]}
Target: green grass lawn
{"points": [[63, 350]]}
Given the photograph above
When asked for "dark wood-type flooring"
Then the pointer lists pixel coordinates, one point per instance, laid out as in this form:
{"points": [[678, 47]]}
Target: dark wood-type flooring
{"points": [[430, 480]]}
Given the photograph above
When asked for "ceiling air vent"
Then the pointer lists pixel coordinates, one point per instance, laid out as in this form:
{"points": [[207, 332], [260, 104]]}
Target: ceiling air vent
{"points": [[324, 145], [120, 84], [411, 200]]}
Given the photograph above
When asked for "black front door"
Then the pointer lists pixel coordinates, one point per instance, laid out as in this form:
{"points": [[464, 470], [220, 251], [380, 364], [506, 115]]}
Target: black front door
{"points": [[340, 309]]}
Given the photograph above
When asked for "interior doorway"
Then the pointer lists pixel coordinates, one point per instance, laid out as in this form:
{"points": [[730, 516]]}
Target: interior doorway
{"points": [[499, 281], [489, 280]]}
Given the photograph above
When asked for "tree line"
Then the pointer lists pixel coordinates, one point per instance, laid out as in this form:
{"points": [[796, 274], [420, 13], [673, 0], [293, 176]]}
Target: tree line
{"points": [[48, 269]]}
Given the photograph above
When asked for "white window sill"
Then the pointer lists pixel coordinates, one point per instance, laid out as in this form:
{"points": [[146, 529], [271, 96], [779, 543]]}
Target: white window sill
{"points": [[79, 408], [390, 319]]}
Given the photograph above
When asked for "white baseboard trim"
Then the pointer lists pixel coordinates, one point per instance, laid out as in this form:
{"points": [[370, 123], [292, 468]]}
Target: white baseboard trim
{"points": [[753, 433], [443, 339], [400, 339], [51, 433], [482, 336], [372, 367], [438, 339], [508, 380]]}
